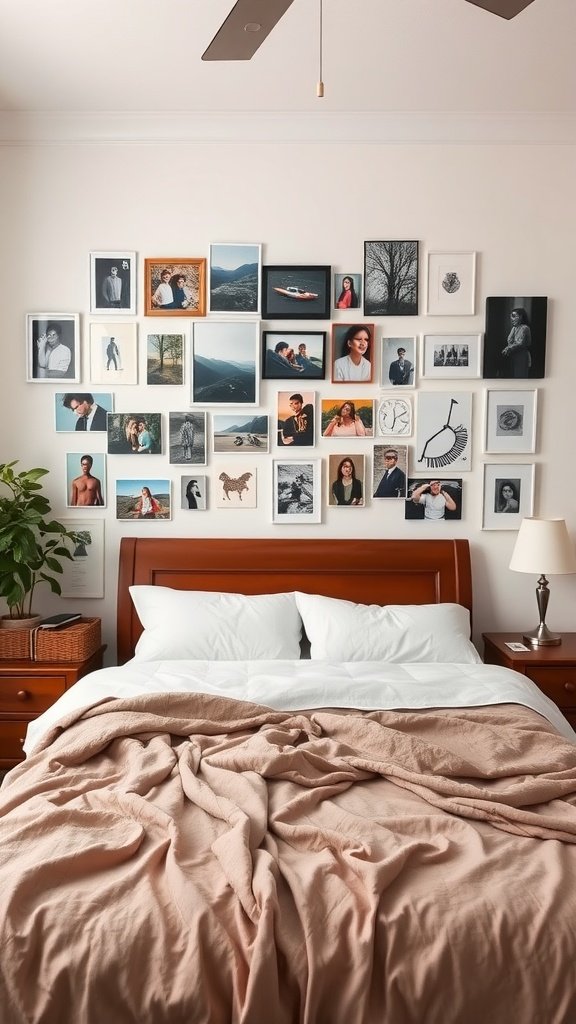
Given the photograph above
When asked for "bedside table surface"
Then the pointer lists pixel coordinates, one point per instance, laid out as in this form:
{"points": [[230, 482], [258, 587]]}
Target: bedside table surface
{"points": [[560, 654]]}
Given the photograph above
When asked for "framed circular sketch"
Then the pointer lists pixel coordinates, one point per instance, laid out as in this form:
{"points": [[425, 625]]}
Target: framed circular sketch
{"points": [[394, 416]]}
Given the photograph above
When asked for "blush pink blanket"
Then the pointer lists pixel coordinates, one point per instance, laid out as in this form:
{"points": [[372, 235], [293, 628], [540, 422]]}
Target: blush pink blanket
{"points": [[184, 859]]}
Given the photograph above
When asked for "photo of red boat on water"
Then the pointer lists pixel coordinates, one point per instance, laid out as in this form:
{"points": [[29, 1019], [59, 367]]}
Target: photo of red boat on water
{"points": [[292, 292]]}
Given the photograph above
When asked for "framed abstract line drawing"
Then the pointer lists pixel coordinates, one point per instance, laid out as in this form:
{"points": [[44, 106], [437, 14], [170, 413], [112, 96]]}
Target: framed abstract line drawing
{"points": [[391, 278], [234, 278], [451, 284], [510, 422], [296, 491], [508, 495], [443, 431], [113, 282], [452, 356]]}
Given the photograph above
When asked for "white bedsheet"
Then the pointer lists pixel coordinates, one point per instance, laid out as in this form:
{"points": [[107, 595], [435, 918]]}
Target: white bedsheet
{"points": [[294, 685]]}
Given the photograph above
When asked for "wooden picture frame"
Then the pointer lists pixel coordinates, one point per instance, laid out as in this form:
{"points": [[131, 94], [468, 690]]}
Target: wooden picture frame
{"points": [[175, 286], [296, 292]]}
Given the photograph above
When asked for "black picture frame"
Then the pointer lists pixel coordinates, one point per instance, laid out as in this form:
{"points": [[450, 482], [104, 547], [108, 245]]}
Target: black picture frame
{"points": [[286, 291], [391, 270], [518, 362], [310, 365]]}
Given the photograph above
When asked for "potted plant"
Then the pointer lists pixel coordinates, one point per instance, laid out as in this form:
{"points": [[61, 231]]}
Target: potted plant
{"points": [[32, 544]]}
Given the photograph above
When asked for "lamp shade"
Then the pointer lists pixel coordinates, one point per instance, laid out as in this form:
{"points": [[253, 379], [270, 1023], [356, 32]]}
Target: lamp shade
{"points": [[543, 546]]}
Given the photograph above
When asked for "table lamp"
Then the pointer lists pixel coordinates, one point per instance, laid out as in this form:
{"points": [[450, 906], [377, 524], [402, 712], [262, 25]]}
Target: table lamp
{"points": [[544, 547]]}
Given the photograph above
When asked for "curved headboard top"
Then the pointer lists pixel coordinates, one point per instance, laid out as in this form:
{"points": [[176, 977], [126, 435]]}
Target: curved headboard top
{"points": [[367, 571]]}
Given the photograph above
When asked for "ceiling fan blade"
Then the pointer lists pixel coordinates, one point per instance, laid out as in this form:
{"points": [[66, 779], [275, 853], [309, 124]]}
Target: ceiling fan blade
{"points": [[505, 8], [245, 28]]}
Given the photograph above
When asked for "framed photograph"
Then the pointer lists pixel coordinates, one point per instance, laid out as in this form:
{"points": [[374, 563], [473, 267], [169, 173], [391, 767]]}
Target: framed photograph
{"points": [[508, 495], [234, 489], [394, 415], [81, 410], [390, 278], [113, 282], [451, 287], [452, 355], [434, 499], [510, 422], [293, 354], [175, 287], [297, 491], [187, 438], [234, 278], [353, 417], [84, 575], [295, 424], [398, 363], [225, 363], [135, 433], [85, 480], [346, 480], [347, 291], [165, 357], [443, 431], [193, 493], [389, 471], [296, 293], [352, 353], [143, 498], [240, 434], [515, 338], [113, 353], [52, 347]]}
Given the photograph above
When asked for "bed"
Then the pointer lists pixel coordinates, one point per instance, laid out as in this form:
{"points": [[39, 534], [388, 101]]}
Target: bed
{"points": [[238, 825]]}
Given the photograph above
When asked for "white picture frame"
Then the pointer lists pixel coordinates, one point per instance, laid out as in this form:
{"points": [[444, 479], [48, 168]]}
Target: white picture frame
{"points": [[451, 284], [508, 495], [53, 340], [394, 415], [116, 297], [510, 421], [118, 366], [297, 490], [225, 363], [452, 356], [389, 362], [443, 433], [235, 278], [83, 576]]}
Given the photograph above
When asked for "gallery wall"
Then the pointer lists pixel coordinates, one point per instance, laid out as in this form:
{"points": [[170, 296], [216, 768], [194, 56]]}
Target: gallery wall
{"points": [[309, 203]]}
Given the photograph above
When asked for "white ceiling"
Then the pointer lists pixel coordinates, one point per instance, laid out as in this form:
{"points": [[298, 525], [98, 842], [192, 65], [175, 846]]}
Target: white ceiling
{"points": [[379, 55]]}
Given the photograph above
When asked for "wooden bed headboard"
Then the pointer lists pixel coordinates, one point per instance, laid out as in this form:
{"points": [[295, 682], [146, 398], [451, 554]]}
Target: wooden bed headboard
{"points": [[366, 571]]}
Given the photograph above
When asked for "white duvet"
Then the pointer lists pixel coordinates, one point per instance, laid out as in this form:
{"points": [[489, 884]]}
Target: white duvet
{"points": [[294, 685]]}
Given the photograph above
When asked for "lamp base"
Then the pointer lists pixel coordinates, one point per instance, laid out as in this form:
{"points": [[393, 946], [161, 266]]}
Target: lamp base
{"points": [[542, 637]]}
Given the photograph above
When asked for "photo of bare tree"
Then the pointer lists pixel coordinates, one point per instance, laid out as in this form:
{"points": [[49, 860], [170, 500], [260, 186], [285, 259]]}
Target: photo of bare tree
{"points": [[165, 358], [391, 278]]}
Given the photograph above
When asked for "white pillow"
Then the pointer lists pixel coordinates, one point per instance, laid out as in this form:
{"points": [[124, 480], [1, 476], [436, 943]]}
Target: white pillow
{"points": [[202, 625], [344, 631]]}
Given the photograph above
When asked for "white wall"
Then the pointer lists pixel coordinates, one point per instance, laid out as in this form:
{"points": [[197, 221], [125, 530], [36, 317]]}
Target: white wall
{"points": [[307, 203]]}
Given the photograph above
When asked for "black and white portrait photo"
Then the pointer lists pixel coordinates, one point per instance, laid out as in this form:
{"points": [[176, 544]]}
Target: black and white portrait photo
{"points": [[113, 282], [53, 346], [515, 340], [391, 278]]}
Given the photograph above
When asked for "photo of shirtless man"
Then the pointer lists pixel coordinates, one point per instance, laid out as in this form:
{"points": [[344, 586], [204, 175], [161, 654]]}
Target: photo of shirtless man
{"points": [[86, 489]]}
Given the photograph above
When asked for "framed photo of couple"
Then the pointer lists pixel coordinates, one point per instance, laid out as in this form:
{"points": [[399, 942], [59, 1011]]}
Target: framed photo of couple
{"points": [[175, 286]]}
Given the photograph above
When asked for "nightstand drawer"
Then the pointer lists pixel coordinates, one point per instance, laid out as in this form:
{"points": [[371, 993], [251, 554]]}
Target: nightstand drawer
{"points": [[26, 695], [12, 736], [558, 683]]}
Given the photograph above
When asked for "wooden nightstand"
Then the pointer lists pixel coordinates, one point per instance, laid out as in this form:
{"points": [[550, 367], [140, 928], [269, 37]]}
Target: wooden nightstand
{"points": [[553, 669], [27, 688]]}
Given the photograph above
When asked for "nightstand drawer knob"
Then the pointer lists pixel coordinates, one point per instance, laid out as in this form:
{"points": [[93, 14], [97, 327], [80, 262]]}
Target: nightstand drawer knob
{"points": [[570, 687], [23, 695], [21, 740]]}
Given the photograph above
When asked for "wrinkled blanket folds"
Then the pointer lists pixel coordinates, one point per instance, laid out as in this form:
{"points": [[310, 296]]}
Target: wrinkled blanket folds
{"points": [[195, 859]]}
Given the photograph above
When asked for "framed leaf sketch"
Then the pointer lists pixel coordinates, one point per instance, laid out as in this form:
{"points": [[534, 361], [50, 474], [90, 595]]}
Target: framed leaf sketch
{"points": [[508, 495], [510, 422], [451, 283]]}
